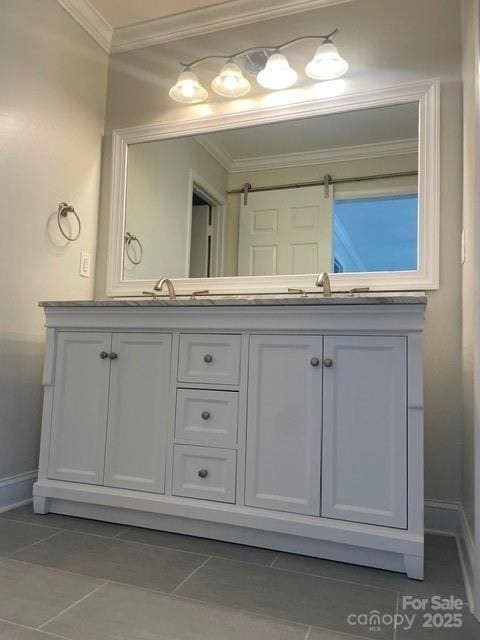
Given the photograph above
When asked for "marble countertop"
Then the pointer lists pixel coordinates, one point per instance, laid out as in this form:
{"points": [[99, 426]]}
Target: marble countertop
{"points": [[251, 300]]}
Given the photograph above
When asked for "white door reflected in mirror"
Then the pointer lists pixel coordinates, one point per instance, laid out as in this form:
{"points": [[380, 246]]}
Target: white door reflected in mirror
{"points": [[285, 231]]}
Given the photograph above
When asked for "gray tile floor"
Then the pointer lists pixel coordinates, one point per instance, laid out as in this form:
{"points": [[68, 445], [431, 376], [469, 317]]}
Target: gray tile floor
{"points": [[75, 579]]}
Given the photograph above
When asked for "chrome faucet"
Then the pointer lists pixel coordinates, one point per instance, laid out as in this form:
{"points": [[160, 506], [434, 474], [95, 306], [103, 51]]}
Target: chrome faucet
{"points": [[169, 284], [324, 281]]}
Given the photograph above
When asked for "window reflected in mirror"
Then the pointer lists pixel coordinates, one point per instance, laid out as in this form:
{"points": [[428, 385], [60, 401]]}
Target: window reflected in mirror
{"points": [[336, 193], [375, 234]]}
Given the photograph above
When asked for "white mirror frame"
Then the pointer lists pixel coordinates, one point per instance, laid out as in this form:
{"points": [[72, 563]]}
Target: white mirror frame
{"points": [[426, 92]]}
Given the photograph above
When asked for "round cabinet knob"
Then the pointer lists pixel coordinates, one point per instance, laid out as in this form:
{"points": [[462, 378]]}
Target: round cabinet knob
{"points": [[205, 415], [208, 358], [113, 356], [203, 473], [328, 362], [314, 362], [103, 355]]}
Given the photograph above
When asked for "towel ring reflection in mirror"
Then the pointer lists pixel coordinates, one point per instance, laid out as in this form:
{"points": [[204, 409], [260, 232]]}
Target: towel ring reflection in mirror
{"points": [[129, 239], [63, 210]]}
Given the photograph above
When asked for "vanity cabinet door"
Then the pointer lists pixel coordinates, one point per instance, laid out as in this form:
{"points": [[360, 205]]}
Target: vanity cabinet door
{"points": [[284, 423], [139, 416], [80, 405], [365, 430]]}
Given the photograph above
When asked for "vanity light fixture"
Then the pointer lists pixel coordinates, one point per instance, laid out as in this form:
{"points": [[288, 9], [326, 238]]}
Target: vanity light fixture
{"points": [[230, 82], [327, 63], [277, 73], [274, 73], [188, 89]]}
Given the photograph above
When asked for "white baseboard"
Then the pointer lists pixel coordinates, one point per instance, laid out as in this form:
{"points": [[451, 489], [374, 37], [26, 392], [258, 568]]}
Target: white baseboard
{"points": [[16, 491], [466, 549], [449, 518], [442, 517]]}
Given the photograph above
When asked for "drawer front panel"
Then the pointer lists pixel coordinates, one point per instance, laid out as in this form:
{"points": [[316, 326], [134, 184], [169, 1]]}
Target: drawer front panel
{"points": [[202, 472], [206, 417], [214, 359]]}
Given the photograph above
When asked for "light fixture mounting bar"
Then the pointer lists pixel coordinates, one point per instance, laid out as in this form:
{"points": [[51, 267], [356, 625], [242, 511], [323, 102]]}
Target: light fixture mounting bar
{"points": [[326, 38]]}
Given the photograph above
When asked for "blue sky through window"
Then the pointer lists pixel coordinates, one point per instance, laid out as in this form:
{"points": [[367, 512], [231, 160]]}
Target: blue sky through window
{"points": [[376, 234]]}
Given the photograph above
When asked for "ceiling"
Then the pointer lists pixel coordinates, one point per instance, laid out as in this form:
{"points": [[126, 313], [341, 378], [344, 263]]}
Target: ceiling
{"points": [[122, 13], [354, 128]]}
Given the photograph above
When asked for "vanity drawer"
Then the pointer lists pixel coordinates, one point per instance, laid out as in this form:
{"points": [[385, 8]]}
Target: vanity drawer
{"points": [[206, 417], [209, 358], [203, 472]]}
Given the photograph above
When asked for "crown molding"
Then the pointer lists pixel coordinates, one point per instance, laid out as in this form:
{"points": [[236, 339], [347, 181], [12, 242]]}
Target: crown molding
{"points": [[325, 156], [91, 20], [216, 150], [224, 15], [320, 156]]}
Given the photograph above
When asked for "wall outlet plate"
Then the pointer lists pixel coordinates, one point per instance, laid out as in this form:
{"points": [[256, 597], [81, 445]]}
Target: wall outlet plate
{"points": [[85, 264]]}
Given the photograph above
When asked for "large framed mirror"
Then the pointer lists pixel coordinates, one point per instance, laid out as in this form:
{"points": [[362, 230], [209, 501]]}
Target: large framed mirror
{"points": [[265, 200]]}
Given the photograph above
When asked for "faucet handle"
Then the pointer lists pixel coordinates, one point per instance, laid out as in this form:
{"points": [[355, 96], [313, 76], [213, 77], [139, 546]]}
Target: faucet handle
{"points": [[302, 292], [150, 293], [359, 290], [202, 292]]}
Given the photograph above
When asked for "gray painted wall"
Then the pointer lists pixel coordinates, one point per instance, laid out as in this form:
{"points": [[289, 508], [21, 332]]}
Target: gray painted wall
{"points": [[52, 105], [470, 277]]}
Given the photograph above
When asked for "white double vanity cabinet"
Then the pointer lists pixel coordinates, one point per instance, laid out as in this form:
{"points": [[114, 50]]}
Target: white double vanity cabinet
{"points": [[293, 424]]}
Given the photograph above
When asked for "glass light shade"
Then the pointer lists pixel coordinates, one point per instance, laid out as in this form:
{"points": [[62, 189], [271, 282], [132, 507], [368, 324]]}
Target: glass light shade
{"points": [[230, 82], [277, 74], [327, 63], [188, 89]]}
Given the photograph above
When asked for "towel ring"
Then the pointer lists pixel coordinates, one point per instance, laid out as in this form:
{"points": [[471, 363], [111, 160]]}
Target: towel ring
{"points": [[63, 210], [129, 238]]}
